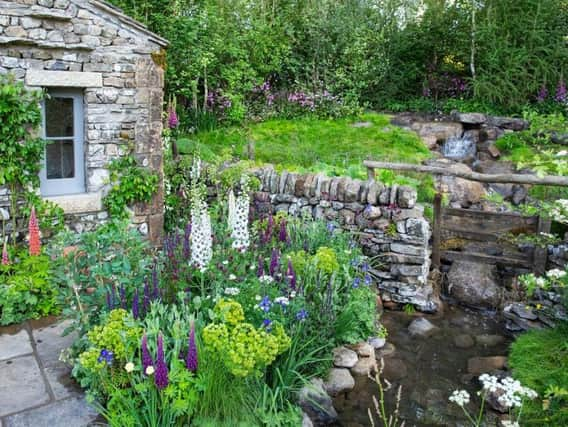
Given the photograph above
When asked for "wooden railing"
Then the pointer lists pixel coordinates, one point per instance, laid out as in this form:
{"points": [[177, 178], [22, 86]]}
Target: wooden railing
{"points": [[480, 226]]}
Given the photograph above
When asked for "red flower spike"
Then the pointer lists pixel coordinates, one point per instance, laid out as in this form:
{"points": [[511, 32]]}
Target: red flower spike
{"points": [[33, 229]]}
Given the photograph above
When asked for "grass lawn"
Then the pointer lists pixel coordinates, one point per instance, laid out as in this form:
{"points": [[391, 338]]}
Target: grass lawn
{"points": [[335, 147], [539, 360]]}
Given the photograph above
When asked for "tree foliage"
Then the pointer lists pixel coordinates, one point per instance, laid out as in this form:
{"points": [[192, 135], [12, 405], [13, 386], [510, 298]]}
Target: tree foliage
{"points": [[365, 51]]}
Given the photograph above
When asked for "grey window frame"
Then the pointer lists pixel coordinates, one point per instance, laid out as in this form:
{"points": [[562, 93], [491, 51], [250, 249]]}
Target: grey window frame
{"points": [[75, 185]]}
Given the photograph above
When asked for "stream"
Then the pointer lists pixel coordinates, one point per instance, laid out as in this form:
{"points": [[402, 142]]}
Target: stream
{"points": [[428, 368]]}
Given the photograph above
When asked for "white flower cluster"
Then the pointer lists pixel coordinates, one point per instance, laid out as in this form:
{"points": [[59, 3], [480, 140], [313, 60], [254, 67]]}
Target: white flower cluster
{"points": [[459, 397], [510, 423], [556, 274], [266, 279], [232, 291], [282, 301], [201, 242], [512, 390], [559, 211], [238, 219]]}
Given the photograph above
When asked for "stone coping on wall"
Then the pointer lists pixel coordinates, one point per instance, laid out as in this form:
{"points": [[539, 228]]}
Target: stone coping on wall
{"points": [[78, 203], [389, 223]]}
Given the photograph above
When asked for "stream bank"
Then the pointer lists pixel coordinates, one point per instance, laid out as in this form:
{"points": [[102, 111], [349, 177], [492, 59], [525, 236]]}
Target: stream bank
{"points": [[463, 344]]}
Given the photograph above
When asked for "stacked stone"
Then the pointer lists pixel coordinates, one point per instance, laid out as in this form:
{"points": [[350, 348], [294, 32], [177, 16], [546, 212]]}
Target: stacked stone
{"points": [[91, 38], [390, 224]]}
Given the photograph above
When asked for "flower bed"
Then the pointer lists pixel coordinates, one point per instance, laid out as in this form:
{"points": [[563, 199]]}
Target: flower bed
{"points": [[223, 326]]}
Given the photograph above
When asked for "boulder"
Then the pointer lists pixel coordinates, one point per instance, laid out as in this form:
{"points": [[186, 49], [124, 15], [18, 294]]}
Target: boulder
{"points": [[461, 191], [523, 311], [440, 130], [344, 357], [364, 367], [422, 327], [387, 351], [395, 369], [463, 341], [482, 365], [339, 380], [364, 349], [306, 421], [469, 118], [509, 123], [474, 284], [377, 342], [487, 340], [316, 403]]}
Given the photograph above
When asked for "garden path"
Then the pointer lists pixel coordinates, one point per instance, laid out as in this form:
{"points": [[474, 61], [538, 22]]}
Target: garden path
{"points": [[35, 386]]}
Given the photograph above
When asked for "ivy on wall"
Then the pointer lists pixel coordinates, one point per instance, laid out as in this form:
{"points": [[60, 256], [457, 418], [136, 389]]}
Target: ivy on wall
{"points": [[130, 183]]}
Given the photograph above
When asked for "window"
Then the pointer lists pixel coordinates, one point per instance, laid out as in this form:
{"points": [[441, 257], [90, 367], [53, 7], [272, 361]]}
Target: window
{"points": [[63, 170]]}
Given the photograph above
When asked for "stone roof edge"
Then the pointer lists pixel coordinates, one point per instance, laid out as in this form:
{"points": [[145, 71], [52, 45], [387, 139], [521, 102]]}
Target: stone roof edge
{"points": [[118, 13]]}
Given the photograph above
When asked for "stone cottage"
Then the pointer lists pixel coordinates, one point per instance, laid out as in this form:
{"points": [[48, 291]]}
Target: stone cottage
{"points": [[104, 74]]}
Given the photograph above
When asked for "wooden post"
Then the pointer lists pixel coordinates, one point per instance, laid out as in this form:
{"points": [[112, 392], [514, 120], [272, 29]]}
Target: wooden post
{"points": [[436, 232], [541, 254], [371, 173]]}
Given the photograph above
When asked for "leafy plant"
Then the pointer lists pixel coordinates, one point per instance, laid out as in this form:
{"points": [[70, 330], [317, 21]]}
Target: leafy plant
{"points": [[130, 183], [26, 288]]}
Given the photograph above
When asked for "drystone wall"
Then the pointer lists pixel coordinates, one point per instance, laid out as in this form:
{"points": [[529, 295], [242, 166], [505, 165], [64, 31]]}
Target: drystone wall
{"points": [[116, 62], [390, 225]]}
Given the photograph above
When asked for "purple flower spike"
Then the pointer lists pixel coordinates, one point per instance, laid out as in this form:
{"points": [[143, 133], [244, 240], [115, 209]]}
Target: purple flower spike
{"points": [[135, 307], [109, 300], [173, 121], [146, 358], [260, 268], [161, 375], [561, 92], [291, 275], [146, 299], [274, 262], [283, 234], [186, 241], [191, 361]]}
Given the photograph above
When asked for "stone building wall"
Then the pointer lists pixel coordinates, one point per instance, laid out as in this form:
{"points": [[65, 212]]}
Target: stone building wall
{"points": [[116, 62], [390, 225]]}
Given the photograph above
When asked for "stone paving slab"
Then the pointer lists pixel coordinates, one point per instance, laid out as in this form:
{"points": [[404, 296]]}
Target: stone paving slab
{"points": [[14, 341], [74, 412], [21, 385], [49, 340]]}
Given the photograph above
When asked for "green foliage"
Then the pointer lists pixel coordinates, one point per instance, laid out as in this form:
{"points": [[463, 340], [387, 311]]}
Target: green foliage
{"points": [[26, 289], [86, 266], [21, 152], [539, 359], [130, 183], [356, 322]]}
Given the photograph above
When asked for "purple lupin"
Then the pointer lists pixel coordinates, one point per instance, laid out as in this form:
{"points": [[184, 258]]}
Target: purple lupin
{"points": [[186, 241], [191, 361], [260, 268], [146, 299], [283, 234], [135, 307], [274, 262], [146, 358], [155, 282], [291, 275], [161, 375], [108, 300]]}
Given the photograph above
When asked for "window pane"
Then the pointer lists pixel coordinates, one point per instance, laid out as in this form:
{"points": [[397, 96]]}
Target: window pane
{"points": [[59, 117], [59, 159]]}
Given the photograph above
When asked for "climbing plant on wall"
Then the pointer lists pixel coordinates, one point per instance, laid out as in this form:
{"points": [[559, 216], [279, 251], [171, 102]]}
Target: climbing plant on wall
{"points": [[21, 152]]}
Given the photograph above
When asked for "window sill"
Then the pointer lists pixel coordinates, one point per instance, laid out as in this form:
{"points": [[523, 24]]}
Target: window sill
{"points": [[78, 203]]}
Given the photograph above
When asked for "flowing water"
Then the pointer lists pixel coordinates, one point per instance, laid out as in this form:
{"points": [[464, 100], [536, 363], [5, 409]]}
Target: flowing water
{"points": [[428, 369], [458, 148]]}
